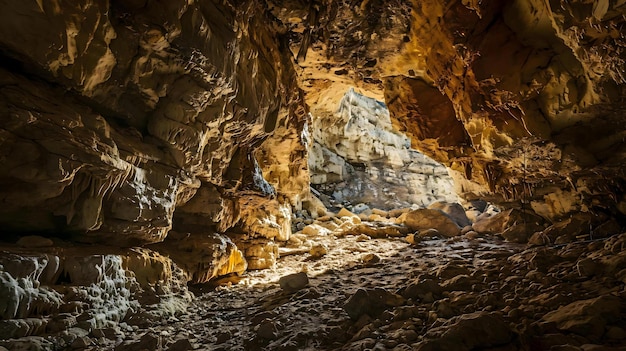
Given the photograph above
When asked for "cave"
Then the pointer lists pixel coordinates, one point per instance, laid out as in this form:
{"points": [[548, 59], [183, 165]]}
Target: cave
{"points": [[312, 175], [358, 160]]}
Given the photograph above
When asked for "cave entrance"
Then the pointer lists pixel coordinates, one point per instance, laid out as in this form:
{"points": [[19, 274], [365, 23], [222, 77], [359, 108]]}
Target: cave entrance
{"points": [[358, 161]]}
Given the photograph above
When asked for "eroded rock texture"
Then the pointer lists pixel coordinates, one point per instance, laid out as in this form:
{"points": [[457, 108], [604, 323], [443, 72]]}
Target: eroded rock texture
{"points": [[183, 126], [522, 98], [116, 114], [534, 92], [173, 123], [357, 157]]}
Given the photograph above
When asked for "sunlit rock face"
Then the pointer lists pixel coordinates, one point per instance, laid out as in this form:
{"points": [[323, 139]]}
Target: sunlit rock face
{"points": [[357, 157], [523, 100], [531, 96]]}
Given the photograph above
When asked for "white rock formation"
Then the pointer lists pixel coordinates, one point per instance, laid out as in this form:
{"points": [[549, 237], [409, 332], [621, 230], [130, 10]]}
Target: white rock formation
{"points": [[358, 157], [80, 287]]}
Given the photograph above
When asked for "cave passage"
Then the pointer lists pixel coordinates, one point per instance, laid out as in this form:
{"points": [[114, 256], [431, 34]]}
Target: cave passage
{"points": [[358, 160]]}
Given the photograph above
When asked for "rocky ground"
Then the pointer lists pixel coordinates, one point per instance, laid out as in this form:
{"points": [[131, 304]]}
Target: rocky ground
{"points": [[345, 290]]}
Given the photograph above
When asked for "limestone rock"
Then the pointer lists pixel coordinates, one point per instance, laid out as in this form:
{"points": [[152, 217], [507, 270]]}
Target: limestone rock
{"points": [[371, 302], [180, 345], [153, 118], [294, 282], [346, 213], [588, 318], [147, 342], [370, 259], [315, 230], [318, 251], [358, 157], [34, 241], [469, 332], [204, 257], [377, 230], [453, 210], [514, 225], [565, 231], [259, 254], [425, 219], [83, 287], [425, 289]]}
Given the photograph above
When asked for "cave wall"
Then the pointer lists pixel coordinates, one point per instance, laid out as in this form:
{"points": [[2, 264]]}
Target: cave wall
{"points": [[115, 114], [357, 157], [522, 100], [535, 91]]}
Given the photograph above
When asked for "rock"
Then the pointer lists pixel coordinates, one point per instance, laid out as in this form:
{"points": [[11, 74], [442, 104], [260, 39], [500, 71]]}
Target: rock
{"points": [[376, 230], [260, 254], [472, 331], [424, 289], [606, 229], [267, 330], [146, 342], [451, 270], [371, 302], [430, 219], [519, 225], [412, 239], [345, 213], [587, 318], [454, 210], [294, 282], [318, 251], [568, 229], [363, 237], [315, 230], [587, 267], [459, 282], [35, 343], [81, 342], [180, 345], [471, 235], [34, 241], [109, 333], [359, 157], [370, 259], [431, 233], [359, 208], [383, 213]]}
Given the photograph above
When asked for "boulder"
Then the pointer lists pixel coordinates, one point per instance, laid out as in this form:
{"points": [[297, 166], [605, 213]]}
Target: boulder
{"points": [[453, 210], [318, 251], [587, 318], [514, 224], [294, 282], [474, 331], [565, 231], [371, 302], [424, 219], [423, 289], [377, 230]]}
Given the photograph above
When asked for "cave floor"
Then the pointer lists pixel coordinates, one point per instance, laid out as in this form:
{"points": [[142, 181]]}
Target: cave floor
{"points": [[429, 290]]}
